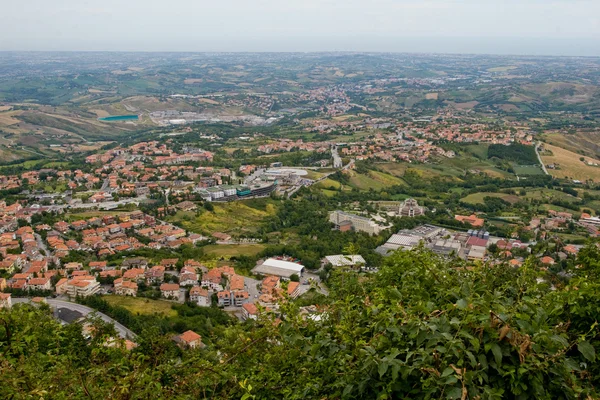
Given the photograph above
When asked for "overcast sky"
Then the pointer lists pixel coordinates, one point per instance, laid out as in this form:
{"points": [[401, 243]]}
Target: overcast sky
{"points": [[560, 27]]}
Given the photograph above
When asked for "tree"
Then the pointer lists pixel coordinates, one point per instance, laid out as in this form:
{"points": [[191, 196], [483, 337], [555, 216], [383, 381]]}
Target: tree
{"points": [[294, 278], [422, 327]]}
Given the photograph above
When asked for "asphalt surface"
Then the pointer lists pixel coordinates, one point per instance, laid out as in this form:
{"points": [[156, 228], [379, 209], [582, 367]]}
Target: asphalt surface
{"points": [[84, 310], [537, 153]]}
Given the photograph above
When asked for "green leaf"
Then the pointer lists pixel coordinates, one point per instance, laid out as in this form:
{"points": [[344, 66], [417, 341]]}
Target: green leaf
{"points": [[454, 393], [497, 353], [347, 390], [383, 367], [559, 339], [462, 304], [587, 350], [471, 358], [394, 294], [447, 372], [395, 371]]}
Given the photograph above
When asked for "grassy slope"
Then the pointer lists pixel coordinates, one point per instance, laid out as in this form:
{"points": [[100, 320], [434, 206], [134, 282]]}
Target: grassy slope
{"points": [[140, 305], [477, 198], [570, 165], [233, 218]]}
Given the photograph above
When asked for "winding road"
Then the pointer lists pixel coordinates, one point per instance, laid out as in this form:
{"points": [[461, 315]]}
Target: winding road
{"points": [[55, 304]]}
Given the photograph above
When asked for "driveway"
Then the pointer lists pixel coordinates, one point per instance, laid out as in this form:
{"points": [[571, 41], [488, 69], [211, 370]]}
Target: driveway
{"points": [[251, 288]]}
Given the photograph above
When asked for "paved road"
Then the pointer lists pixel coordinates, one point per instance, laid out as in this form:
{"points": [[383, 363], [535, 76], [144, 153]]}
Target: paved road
{"points": [[107, 204], [537, 152], [105, 185], [298, 187], [54, 303], [337, 160], [42, 245]]}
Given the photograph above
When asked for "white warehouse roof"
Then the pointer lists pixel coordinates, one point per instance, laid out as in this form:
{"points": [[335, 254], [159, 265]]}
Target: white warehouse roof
{"points": [[281, 268], [273, 262]]}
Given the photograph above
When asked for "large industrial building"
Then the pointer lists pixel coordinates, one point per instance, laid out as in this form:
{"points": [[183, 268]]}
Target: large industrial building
{"points": [[345, 221], [281, 268], [409, 239], [235, 192]]}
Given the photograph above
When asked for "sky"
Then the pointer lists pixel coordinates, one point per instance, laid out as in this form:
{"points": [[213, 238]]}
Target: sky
{"points": [[536, 27]]}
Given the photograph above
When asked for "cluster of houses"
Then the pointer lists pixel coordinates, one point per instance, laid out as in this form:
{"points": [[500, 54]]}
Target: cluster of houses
{"points": [[112, 234]]}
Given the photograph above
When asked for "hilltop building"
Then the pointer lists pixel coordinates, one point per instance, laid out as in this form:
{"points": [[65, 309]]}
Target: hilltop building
{"points": [[345, 221]]}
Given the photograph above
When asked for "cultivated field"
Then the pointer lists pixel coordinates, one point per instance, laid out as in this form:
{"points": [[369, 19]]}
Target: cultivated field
{"points": [[586, 143], [570, 165]]}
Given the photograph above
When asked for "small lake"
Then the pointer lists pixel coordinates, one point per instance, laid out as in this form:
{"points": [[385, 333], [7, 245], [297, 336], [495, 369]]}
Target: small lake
{"points": [[119, 118]]}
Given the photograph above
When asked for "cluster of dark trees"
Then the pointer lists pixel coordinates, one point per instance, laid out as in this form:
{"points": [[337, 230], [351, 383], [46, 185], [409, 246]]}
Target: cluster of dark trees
{"points": [[516, 152]]}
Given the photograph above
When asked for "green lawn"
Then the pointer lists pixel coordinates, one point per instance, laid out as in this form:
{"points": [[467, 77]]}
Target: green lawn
{"points": [[140, 305], [232, 250], [528, 170], [477, 198]]}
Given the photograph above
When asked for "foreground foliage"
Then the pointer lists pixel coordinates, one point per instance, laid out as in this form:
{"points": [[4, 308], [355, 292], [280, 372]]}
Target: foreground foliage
{"points": [[420, 328]]}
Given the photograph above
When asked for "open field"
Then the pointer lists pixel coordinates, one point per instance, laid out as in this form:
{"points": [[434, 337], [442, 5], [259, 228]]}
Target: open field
{"points": [[497, 173], [328, 193], [585, 143], [477, 198], [571, 167], [386, 179], [140, 305], [365, 182], [528, 170], [313, 174], [425, 171], [548, 194], [90, 214], [234, 218], [233, 250], [328, 183], [478, 150]]}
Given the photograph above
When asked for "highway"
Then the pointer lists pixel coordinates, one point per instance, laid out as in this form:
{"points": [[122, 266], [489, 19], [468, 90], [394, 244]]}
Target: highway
{"points": [[54, 303]]}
